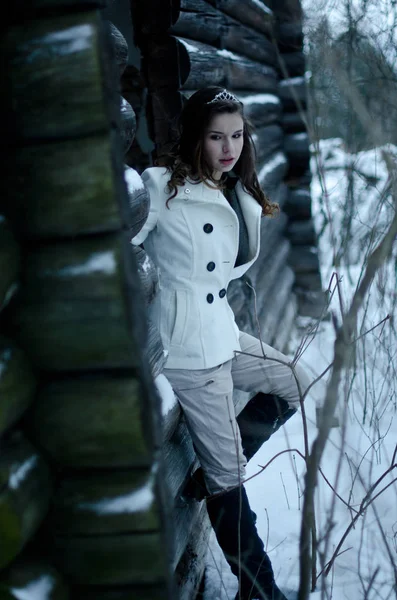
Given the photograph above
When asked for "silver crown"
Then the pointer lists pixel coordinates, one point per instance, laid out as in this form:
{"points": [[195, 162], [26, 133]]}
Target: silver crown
{"points": [[225, 95]]}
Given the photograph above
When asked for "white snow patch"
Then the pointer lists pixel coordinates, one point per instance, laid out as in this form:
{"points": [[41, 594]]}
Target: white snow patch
{"points": [[137, 501], [19, 475], [133, 180], [228, 54], [167, 395], [189, 47], [100, 262], [260, 99], [277, 160], [292, 81], [73, 39], [124, 106], [40, 589], [146, 265], [298, 136]]}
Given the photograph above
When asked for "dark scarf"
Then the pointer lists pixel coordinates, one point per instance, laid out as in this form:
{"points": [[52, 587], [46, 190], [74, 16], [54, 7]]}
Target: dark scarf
{"points": [[231, 196]]}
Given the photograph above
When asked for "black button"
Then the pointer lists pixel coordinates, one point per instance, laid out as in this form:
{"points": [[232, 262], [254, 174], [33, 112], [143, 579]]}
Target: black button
{"points": [[210, 298], [208, 228], [222, 293], [210, 266]]}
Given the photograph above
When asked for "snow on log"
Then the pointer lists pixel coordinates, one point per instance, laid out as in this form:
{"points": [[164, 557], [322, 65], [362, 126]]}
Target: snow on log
{"points": [[91, 422], [253, 13], [293, 93], [128, 124], [261, 109], [24, 482], [105, 503], [17, 384], [56, 81], [272, 171], [72, 313], [201, 65], [199, 21], [138, 200], [9, 263], [148, 273], [267, 141], [32, 578]]}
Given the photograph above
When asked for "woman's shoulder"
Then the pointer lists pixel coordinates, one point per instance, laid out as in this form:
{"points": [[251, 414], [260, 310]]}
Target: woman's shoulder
{"points": [[157, 173]]}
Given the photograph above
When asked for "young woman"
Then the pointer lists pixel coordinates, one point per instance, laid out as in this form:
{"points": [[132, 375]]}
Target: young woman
{"points": [[203, 230]]}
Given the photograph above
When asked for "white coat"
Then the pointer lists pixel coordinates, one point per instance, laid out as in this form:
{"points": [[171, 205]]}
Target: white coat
{"points": [[194, 243]]}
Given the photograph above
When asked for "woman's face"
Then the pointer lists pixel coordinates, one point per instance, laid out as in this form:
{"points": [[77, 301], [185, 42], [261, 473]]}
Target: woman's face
{"points": [[223, 142]]}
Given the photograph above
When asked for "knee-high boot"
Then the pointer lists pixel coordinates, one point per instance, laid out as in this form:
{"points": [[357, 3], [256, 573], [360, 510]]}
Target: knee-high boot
{"points": [[231, 518]]}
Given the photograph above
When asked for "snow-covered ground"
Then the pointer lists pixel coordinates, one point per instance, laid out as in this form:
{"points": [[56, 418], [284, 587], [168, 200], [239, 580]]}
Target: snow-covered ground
{"points": [[361, 448]]}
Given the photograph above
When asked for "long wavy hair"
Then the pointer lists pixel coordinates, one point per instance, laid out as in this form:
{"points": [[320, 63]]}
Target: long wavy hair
{"points": [[186, 158]]}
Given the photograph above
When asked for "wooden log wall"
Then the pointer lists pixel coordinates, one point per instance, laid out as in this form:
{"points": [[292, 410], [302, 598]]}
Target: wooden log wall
{"points": [[83, 502], [288, 36]]}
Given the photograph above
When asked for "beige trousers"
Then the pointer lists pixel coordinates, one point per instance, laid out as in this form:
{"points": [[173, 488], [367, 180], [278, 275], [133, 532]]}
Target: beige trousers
{"points": [[206, 397]]}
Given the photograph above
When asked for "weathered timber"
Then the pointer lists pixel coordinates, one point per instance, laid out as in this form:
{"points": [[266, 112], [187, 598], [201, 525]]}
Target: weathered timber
{"points": [[148, 274], [293, 93], [272, 171], [294, 122], [289, 11], [55, 78], [289, 36], [71, 313], [137, 558], [25, 491], [281, 293], [261, 109], [297, 148], [186, 513], [201, 65], [28, 573], [105, 503], [267, 141], [302, 233], [17, 384], [199, 21], [299, 204], [251, 13], [272, 266], [292, 64], [312, 303], [138, 200], [308, 281], [304, 259], [164, 107], [191, 566], [154, 350], [179, 457], [62, 189], [91, 422], [120, 48], [9, 263], [128, 124], [286, 324]]}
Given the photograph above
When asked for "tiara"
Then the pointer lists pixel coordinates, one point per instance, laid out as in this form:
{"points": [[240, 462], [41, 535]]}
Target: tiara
{"points": [[225, 95]]}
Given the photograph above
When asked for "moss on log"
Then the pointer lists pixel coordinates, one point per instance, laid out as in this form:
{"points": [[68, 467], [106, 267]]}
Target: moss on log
{"points": [[137, 558], [17, 384], [55, 82], [104, 503], [9, 262], [25, 491], [91, 422], [71, 313]]}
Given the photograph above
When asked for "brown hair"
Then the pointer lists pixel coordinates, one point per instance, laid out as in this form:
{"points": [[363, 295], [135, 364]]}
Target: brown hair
{"points": [[186, 157]]}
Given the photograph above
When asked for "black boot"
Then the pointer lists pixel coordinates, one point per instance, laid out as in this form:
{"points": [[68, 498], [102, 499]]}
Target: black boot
{"points": [[231, 518]]}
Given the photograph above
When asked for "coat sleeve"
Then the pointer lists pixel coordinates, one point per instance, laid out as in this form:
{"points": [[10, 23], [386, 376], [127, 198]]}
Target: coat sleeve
{"points": [[151, 178]]}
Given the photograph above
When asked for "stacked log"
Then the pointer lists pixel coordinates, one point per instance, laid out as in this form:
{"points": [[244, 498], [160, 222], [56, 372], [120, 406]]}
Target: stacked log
{"points": [[76, 372], [293, 94]]}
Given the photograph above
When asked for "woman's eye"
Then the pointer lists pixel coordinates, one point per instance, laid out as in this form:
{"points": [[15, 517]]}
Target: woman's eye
{"points": [[215, 137], [237, 135]]}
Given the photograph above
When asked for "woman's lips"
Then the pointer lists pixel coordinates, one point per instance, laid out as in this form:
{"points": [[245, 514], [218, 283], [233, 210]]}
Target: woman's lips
{"points": [[226, 161]]}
